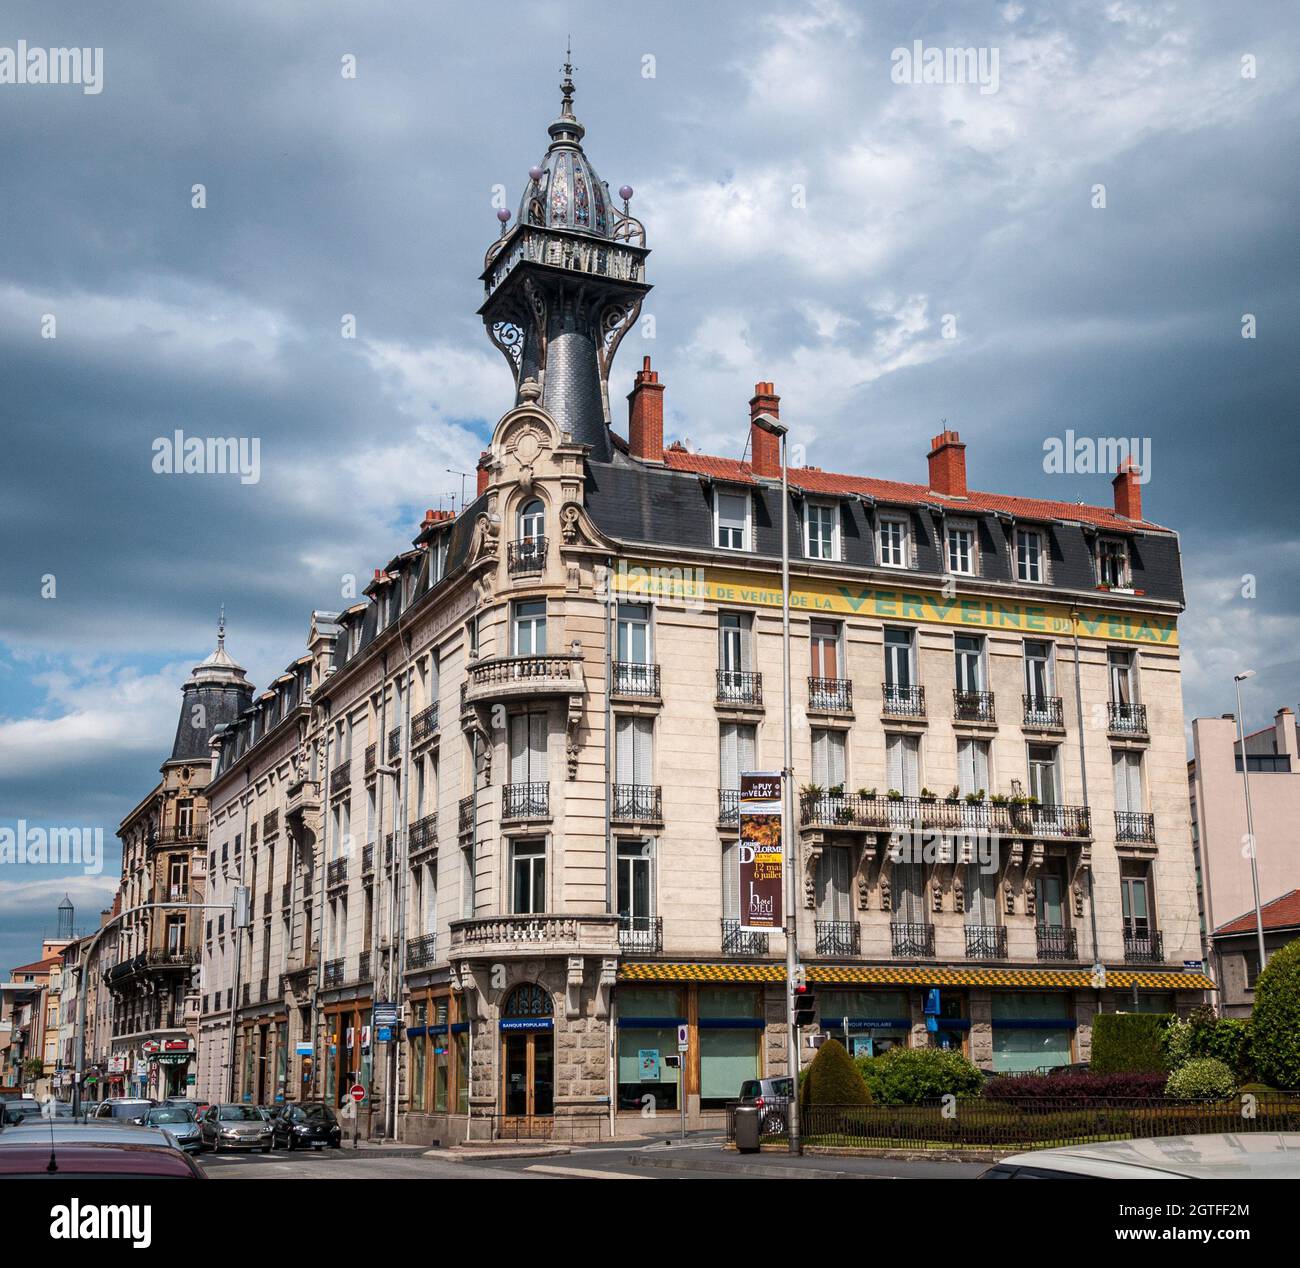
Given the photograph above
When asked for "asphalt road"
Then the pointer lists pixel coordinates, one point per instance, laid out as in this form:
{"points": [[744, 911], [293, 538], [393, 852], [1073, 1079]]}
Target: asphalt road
{"points": [[654, 1161]]}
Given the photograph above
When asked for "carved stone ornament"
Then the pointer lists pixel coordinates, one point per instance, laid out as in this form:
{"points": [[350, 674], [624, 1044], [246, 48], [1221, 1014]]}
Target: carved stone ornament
{"points": [[573, 987]]}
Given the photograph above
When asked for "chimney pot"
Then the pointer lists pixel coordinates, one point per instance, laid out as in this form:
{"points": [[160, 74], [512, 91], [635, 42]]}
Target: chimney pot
{"points": [[764, 448], [645, 415], [481, 484], [1128, 492], [947, 458]]}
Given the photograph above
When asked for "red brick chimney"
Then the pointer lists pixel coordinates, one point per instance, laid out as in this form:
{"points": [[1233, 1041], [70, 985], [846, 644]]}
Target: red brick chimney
{"points": [[645, 415], [764, 448], [948, 464], [482, 484], [1128, 492]]}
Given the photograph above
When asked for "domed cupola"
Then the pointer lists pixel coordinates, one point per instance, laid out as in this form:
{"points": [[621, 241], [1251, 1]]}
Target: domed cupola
{"points": [[565, 283], [563, 190]]}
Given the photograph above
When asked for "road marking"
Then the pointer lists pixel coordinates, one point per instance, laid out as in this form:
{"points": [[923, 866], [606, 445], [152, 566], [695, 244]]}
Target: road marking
{"points": [[583, 1173]]}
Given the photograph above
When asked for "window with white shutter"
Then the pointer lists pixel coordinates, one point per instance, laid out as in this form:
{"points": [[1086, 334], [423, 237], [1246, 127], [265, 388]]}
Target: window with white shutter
{"points": [[828, 752], [528, 748], [1127, 768], [731, 511], [903, 763], [981, 895], [633, 750]]}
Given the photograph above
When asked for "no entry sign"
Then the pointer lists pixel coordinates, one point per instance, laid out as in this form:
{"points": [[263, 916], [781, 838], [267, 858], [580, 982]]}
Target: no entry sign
{"points": [[357, 1092]]}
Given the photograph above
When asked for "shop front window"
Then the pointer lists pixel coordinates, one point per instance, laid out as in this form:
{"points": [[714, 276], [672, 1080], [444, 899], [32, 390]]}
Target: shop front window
{"points": [[1031, 1031], [440, 1042], [647, 1033], [730, 1035], [867, 1023]]}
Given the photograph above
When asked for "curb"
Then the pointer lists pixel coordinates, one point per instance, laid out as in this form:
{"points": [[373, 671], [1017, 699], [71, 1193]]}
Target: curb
{"points": [[494, 1153]]}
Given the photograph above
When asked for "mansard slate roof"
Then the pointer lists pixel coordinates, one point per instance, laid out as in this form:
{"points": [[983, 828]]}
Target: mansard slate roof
{"points": [[671, 506]]}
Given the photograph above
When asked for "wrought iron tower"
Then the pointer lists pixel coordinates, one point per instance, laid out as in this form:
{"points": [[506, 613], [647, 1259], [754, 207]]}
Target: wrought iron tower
{"points": [[564, 284]]}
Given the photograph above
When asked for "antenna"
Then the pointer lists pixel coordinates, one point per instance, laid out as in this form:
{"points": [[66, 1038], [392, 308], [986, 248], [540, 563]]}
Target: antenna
{"points": [[463, 475]]}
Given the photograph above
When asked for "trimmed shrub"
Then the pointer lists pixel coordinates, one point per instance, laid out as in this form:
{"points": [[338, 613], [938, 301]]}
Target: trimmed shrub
{"points": [[907, 1076], [1201, 1079], [1203, 1033], [1128, 1043], [1089, 1088], [1275, 1020], [833, 1079]]}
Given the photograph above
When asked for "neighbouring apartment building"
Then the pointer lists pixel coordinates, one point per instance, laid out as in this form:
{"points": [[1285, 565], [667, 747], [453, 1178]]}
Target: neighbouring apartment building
{"points": [[1218, 803], [501, 792], [154, 979]]}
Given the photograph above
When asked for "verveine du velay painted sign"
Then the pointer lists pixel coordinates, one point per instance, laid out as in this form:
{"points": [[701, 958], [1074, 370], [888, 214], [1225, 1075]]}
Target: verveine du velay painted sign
{"points": [[716, 585]]}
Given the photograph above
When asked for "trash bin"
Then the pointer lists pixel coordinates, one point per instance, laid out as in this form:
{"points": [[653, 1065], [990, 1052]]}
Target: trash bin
{"points": [[747, 1120]]}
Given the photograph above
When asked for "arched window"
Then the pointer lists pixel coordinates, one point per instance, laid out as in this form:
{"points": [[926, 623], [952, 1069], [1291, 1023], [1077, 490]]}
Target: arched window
{"points": [[527, 1000], [532, 520]]}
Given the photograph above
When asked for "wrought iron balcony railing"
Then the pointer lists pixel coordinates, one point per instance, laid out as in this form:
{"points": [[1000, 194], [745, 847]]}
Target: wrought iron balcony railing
{"points": [[367, 859], [424, 724], [854, 810], [372, 751], [336, 873], [986, 942], [643, 935], [1143, 946], [902, 702], [1044, 712], [423, 833], [465, 815], [740, 686], [912, 940], [1126, 719], [421, 951], [742, 942], [525, 801], [638, 803], [341, 776], [270, 823], [527, 555], [1135, 825], [333, 973], [394, 744], [830, 695], [1055, 942], [363, 967], [838, 937], [286, 896], [974, 706], [632, 678]]}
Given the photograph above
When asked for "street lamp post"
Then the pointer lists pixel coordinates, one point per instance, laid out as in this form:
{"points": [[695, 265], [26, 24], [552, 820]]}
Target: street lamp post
{"points": [[1237, 680], [771, 425]]}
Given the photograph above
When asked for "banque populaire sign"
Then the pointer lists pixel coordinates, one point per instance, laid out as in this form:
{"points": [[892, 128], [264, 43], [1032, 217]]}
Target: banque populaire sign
{"points": [[895, 603]]}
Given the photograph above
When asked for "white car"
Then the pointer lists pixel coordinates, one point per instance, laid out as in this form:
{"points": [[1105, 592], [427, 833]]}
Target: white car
{"points": [[1227, 1156]]}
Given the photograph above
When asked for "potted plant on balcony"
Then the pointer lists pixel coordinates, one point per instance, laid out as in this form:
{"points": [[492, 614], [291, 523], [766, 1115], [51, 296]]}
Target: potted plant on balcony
{"points": [[928, 796], [894, 795], [999, 799], [867, 794], [954, 795], [976, 798], [812, 791]]}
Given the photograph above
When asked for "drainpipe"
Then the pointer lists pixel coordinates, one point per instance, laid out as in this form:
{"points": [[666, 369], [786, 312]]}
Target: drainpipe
{"points": [[237, 940]]}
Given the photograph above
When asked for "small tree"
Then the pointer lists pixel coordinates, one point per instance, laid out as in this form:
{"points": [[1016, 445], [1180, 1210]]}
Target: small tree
{"points": [[1275, 1020], [33, 1068], [833, 1079]]}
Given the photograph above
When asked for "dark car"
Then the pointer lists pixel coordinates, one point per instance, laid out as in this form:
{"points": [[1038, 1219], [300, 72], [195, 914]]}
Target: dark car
{"points": [[307, 1127], [24, 1111], [124, 1109], [95, 1150]]}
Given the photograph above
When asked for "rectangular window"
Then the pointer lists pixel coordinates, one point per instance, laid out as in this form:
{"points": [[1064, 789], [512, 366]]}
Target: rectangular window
{"points": [[633, 750], [528, 748], [731, 879], [1119, 662], [1044, 776], [737, 752], [968, 650], [1112, 563], [822, 531], [1029, 555], [735, 642], [634, 633], [972, 766], [893, 541], [1050, 894], [903, 763], [981, 895], [467, 882], [1127, 769], [635, 884], [1135, 899], [898, 657], [528, 877], [828, 759], [732, 514], [1038, 672], [530, 628], [1031, 1029], [824, 640], [908, 890], [834, 882], [961, 550]]}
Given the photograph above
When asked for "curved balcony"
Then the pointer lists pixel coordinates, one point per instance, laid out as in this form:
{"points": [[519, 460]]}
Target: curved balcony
{"points": [[523, 677], [528, 554], [526, 935], [851, 811]]}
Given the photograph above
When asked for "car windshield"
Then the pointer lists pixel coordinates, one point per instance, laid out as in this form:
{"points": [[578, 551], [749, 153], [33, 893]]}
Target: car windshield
{"points": [[170, 1114], [239, 1114], [130, 1109], [319, 1114]]}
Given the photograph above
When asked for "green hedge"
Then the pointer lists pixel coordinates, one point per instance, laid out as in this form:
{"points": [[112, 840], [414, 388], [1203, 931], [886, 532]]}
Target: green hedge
{"points": [[906, 1076], [1128, 1043], [1275, 1021], [833, 1079]]}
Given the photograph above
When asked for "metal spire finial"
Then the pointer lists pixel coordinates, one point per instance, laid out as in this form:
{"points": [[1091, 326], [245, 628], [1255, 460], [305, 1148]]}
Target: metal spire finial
{"points": [[221, 629], [566, 84]]}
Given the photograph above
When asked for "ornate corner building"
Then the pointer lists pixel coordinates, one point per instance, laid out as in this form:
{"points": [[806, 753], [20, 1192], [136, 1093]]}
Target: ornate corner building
{"points": [[499, 793]]}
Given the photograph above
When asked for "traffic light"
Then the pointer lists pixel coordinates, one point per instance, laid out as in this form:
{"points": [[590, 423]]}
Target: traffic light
{"points": [[804, 1003]]}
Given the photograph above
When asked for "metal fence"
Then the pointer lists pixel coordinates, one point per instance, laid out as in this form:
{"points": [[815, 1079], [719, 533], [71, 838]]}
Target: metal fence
{"points": [[1038, 1123]]}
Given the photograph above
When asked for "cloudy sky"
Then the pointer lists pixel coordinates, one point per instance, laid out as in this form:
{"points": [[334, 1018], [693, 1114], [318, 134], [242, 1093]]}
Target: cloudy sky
{"points": [[812, 223]]}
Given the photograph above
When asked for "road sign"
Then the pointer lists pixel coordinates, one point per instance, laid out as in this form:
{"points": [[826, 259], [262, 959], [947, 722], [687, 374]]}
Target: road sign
{"points": [[357, 1092], [302, 1049], [1193, 966], [683, 1039]]}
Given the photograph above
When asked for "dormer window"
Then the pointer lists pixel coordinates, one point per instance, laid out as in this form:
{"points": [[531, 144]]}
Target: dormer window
{"points": [[893, 540], [822, 531], [731, 513], [961, 553], [1029, 555], [1112, 563]]}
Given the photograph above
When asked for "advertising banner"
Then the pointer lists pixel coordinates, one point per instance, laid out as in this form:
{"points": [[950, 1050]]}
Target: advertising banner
{"points": [[762, 871]]}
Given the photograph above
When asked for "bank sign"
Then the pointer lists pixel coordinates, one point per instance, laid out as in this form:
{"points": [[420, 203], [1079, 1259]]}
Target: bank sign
{"points": [[762, 871], [731, 586]]}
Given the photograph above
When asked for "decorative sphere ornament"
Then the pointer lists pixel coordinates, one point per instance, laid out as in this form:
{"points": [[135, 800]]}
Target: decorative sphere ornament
{"points": [[535, 172], [503, 215], [625, 192]]}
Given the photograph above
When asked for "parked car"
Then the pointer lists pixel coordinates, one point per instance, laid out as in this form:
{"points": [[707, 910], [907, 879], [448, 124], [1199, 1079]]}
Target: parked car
{"points": [[772, 1098], [1226, 1156], [124, 1109], [98, 1150], [311, 1126], [179, 1123], [236, 1127]]}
